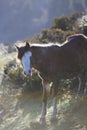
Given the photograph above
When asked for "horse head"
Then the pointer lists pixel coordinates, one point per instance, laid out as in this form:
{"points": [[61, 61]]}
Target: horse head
{"points": [[24, 55]]}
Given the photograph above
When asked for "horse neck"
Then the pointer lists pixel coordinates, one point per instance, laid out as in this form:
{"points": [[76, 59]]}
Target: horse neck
{"points": [[36, 60]]}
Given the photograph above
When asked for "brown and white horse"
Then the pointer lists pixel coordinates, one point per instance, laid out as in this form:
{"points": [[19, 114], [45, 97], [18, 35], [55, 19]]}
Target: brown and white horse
{"points": [[53, 63]]}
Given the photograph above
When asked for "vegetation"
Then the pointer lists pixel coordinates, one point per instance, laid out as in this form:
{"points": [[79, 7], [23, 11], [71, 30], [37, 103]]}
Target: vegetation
{"points": [[61, 28], [16, 76]]}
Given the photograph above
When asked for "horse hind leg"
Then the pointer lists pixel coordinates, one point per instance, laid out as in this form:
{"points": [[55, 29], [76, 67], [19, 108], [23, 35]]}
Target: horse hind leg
{"points": [[54, 114], [85, 88], [79, 87], [82, 88], [84, 84]]}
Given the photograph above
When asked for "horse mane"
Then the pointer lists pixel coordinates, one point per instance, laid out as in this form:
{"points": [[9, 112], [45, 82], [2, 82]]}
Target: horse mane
{"points": [[44, 45], [68, 39], [73, 37], [80, 36]]}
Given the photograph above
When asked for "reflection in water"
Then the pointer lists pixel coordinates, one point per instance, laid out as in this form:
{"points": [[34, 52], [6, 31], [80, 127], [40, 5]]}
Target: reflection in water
{"points": [[20, 111]]}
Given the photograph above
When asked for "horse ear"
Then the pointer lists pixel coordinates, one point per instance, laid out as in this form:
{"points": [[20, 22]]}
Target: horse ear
{"points": [[27, 44]]}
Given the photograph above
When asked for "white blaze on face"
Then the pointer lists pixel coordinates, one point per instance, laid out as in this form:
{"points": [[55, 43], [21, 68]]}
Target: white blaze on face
{"points": [[27, 63]]}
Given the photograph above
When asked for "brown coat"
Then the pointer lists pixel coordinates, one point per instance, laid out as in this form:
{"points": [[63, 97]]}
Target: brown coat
{"points": [[54, 62]]}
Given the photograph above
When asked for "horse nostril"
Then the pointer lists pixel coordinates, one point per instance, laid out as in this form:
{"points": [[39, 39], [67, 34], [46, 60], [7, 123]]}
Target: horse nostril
{"points": [[27, 73]]}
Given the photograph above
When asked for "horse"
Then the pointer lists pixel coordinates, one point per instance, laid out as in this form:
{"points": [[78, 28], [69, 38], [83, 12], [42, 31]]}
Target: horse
{"points": [[53, 63]]}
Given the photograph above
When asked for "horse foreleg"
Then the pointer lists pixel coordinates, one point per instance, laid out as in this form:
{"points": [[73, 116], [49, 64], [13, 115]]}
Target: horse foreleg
{"points": [[79, 87], [46, 89], [54, 113], [43, 112], [85, 88], [82, 85]]}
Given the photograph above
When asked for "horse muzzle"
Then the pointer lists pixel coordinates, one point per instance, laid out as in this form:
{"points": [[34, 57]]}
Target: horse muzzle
{"points": [[28, 73]]}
